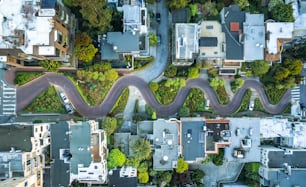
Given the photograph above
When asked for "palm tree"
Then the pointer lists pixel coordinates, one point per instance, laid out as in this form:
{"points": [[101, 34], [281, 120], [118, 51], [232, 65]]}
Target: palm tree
{"points": [[141, 149]]}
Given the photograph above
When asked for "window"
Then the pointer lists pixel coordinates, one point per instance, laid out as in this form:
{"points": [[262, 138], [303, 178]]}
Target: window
{"points": [[209, 27]]}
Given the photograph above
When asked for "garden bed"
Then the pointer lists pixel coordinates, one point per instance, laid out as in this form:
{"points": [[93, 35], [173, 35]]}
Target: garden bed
{"points": [[22, 77], [222, 95], [244, 106]]}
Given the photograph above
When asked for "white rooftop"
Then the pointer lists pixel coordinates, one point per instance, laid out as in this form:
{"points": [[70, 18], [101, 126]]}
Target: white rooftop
{"points": [[272, 128], [186, 36], [278, 30], [134, 18], [22, 17]]}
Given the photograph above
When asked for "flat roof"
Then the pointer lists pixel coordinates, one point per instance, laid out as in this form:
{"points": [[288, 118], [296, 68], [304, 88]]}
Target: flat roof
{"points": [[208, 41], [186, 40], [123, 42], [80, 142], [114, 179], [234, 46], [59, 140], [254, 40], [296, 159], [19, 137], [193, 146], [276, 31], [272, 127]]}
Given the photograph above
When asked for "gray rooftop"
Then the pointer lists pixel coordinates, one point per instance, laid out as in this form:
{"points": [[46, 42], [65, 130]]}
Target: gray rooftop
{"points": [[165, 142], [254, 37], [80, 145], [208, 41], [274, 177], [295, 160], [123, 42], [193, 146], [234, 47], [19, 137], [59, 140]]}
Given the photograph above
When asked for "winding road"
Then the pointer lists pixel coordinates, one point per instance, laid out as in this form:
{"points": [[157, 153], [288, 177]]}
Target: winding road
{"points": [[28, 92]]}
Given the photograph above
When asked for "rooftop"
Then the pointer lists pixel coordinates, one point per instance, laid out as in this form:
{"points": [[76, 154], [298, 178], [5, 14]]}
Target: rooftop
{"points": [[60, 164], [186, 41], [80, 146], [232, 19], [134, 18], [254, 37], [115, 180], [193, 139], [165, 141], [217, 133], [19, 137], [296, 158], [276, 31]]}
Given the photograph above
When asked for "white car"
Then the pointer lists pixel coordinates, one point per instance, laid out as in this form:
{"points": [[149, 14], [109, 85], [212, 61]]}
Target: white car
{"points": [[69, 109], [64, 97], [251, 106]]}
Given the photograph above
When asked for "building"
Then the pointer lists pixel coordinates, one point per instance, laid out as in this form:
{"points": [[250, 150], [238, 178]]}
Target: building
{"points": [[278, 33], [193, 139], [282, 167], [21, 158], [212, 42], [135, 19], [37, 30], [185, 44], [218, 135], [88, 149], [122, 177]]}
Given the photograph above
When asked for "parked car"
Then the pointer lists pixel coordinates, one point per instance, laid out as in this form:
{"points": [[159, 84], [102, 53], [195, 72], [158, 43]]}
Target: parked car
{"points": [[69, 109], [251, 131], [158, 39], [207, 104], [64, 97], [251, 106], [237, 132], [158, 17]]}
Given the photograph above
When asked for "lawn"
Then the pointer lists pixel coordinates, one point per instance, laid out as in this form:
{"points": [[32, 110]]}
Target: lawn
{"points": [[245, 101], [48, 101], [22, 77]]}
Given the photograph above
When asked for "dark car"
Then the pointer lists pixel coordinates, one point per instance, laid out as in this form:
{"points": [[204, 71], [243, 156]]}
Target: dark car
{"points": [[158, 39], [158, 17]]}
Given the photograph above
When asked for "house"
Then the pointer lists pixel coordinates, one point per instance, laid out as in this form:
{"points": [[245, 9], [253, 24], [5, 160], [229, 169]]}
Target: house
{"points": [[193, 139], [185, 44], [21, 159], [278, 33], [218, 135], [122, 177], [41, 29], [282, 167], [212, 42], [135, 19], [88, 149]]}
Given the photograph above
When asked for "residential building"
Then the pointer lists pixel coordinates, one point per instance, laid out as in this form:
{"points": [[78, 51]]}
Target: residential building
{"points": [[135, 19], [88, 149], [284, 132], [282, 167], [36, 30], [218, 135], [122, 177], [278, 33], [212, 43], [21, 158], [185, 44], [193, 139]]}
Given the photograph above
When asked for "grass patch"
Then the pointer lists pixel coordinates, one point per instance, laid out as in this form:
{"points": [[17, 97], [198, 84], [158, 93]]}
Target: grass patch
{"points": [[245, 101], [25, 77], [121, 102], [222, 95], [258, 106], [48, 101], [275, 95]]}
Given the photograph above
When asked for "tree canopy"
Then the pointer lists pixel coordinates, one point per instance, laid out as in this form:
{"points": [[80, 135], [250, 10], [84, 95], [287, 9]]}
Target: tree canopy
{"points": [[294, 66], [260, 67], [50, 65], [182, 166], [282, 12], [143, 178], [153, 39], [177, 4], [193, 72], [242, 3], [197, 175], [109, 124], [84, 49], [141, 149], [115, 159]]}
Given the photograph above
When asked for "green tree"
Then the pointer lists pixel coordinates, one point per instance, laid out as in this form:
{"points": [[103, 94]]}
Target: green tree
{"points": [[294, 66], [153, 86], [184, 111], [242, 3], [171, 71], [193, 72], [153, 39], [141, 149], [282, 12], [132, 161], [84, 50], [143, 167], [111, 75], [209, 9], [260, 67], [193, 9], [177, 4], [272, 4], [115, 159], [154, 115], [197, 175], [182, 166], [164, 176], [109, 124], [214, 82], [143, 178], [281, 73], [50, 65]]}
